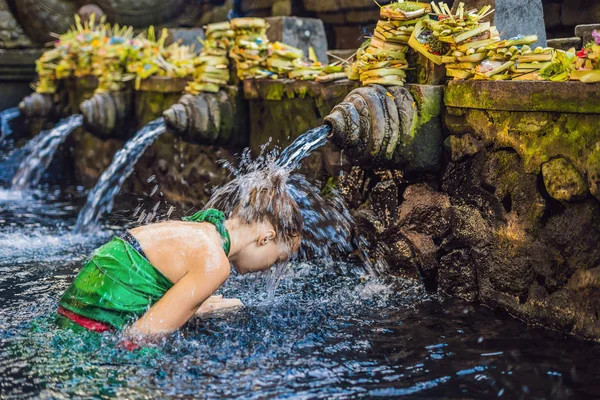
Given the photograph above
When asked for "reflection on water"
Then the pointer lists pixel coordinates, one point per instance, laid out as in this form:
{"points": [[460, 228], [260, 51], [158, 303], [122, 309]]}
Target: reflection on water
{"points": [[324, 334]]}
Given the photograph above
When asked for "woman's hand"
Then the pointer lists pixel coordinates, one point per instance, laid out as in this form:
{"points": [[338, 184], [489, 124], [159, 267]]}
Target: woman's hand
{"points": [[218, 303]]}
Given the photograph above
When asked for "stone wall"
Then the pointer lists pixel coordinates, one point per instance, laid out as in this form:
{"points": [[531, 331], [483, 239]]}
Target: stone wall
{"points": [[185, 172], [511, 220], [562, 16]]}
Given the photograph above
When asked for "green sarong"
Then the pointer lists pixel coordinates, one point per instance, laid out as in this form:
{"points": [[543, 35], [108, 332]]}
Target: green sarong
{"points": [[116, 286]]}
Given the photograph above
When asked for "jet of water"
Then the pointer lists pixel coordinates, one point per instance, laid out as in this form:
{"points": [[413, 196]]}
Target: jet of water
{"points": [[101, 198], [5, 117], [42, 152], [302, 147]]}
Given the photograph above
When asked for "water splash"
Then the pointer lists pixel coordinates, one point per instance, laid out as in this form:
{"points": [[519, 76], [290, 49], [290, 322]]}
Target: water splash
{"points": [[42, 152], [101, 198], [5, 117], [302, 147]]}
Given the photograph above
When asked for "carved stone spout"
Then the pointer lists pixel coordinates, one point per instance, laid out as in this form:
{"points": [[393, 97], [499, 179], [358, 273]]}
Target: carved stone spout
{"points": [[209, 118], [37, 105], [384, 127], [106, 114]]}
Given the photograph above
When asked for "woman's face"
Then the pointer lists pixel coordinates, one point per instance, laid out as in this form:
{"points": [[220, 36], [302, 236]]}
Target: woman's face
{"points": [[262, 254]]}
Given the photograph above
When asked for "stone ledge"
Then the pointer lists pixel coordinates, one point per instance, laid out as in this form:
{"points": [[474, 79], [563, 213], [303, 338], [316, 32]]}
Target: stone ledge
{"points": [[572, 97], [279, 89], [565, 43], [163, 84]]}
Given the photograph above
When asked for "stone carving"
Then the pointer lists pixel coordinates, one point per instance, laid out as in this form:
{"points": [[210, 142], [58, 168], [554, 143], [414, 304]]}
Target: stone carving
{"points": [[38, 105], [373, 123], [208, 118], [104, 114], [140, 13], [11, 33], [40, 18]]}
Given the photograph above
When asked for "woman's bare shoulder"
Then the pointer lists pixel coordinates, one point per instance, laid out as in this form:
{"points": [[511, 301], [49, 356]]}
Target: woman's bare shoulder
{"points": [[183, 247]]}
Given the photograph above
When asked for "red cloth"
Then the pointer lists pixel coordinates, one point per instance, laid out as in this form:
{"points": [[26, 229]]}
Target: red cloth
{"points": [[95, 326], [87, 323]]}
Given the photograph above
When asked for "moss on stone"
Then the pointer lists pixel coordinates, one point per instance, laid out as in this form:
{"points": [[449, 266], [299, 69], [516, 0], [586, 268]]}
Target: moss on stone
{"points": [[428, 101], [592, 166], [570, 97], [536, 136], [151, 105], [562, 180], [275, 91]]}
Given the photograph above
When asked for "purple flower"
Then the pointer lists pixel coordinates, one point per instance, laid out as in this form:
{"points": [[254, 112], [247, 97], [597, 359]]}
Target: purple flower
{"points": [[596, 37]]}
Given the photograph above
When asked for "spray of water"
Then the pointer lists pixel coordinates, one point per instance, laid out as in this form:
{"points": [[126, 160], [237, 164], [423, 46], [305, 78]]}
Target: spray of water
{"points": [[42, 152], [327, 222], [101, 198], [302, 147], [5, 117]]}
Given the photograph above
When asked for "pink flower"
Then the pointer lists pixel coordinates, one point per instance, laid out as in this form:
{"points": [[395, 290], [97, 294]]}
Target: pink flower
{"points": [[596, 36]]}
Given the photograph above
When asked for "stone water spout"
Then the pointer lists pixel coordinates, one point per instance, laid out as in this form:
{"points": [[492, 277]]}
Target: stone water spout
{"points": [[106, 113], [38, 105], [384, 127], [210, 118]]}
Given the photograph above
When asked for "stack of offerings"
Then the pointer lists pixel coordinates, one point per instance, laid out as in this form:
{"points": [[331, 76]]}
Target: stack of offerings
{"points": [[156, 59], [212, 65], [312, 70], [332, 72], [111, 62], [71, 55], [283, 59], [587, 62], [459, 40], [250, 48], [383, 60], [514, 59]]}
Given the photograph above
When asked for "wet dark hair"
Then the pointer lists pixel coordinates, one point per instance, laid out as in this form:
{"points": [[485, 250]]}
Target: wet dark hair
{"points": [[261, 196]]}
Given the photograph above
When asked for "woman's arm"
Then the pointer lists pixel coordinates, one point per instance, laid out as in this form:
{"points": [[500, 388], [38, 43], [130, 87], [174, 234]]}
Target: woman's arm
{"points": [[180, 302], [217, 303]]}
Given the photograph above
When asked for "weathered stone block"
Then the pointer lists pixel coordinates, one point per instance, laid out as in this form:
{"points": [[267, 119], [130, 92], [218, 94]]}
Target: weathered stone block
{"points": [[562, 180], [565, 43], [302, 33], [585, 31]]}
